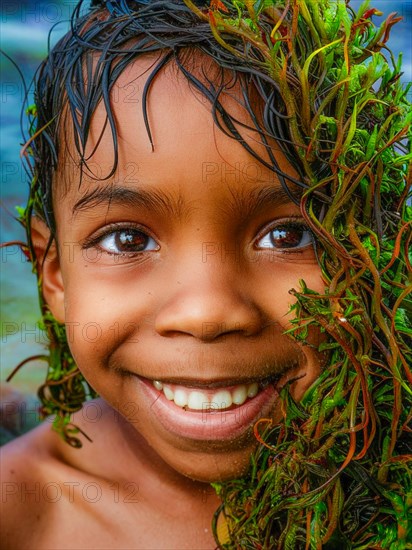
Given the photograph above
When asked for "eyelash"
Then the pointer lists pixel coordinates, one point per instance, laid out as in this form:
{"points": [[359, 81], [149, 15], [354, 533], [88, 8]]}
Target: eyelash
{"points": [[287, 225], [115, 231]]}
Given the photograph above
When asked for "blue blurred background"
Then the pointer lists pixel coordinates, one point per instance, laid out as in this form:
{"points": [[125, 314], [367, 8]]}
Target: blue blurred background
{"points": [[24, 33]]}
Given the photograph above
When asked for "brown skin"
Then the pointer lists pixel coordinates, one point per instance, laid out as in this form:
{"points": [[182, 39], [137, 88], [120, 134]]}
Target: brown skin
{"points": [[184, 309]]}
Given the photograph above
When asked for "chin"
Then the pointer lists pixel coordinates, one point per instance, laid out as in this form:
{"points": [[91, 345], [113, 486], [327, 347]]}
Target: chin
{"points": [[216, 467]]}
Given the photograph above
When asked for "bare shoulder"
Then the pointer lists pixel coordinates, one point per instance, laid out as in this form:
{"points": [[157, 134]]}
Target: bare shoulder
{"points": [[24, 459], [26, 463], [41, 477]]}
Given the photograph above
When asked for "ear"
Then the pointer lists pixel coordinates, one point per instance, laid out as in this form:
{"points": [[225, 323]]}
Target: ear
{"points": [[48, 268]]}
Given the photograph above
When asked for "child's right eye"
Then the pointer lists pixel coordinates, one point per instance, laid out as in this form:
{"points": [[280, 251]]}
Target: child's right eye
{"points": [[127, 240]]}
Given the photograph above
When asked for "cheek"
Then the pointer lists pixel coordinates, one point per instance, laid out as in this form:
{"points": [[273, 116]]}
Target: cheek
{"points": [[281, 299], [276, 283], [91, 316], [104, 315]]}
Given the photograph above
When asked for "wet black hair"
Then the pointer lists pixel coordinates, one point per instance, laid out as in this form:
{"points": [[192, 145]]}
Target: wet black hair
{"points": [[106, 37]]}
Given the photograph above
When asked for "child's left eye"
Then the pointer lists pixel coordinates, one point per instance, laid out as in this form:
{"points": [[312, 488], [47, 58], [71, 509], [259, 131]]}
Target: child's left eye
{"points": [[287, 236], [126, 241]]}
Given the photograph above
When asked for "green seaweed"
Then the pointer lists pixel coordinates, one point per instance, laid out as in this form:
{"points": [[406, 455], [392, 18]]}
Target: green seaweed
{"points": [[335, 473]]}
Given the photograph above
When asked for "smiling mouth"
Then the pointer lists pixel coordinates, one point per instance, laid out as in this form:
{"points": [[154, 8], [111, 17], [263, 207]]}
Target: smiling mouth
{"points": [[209, 399]]}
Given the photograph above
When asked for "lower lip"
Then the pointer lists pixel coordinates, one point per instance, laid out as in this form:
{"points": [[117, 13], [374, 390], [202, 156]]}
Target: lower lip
{"points": [[215, 425]]}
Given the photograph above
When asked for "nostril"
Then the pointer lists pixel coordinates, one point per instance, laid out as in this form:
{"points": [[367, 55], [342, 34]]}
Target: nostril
{"points": [[211, 330], [208, 318]]}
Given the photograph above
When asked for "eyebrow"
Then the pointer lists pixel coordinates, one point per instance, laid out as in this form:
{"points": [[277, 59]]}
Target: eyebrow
{"points": [[244, 204], [153, 200], [247, 203]]}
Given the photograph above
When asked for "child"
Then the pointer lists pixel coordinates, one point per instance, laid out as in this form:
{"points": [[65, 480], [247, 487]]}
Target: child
{"points": [[194, 167]]}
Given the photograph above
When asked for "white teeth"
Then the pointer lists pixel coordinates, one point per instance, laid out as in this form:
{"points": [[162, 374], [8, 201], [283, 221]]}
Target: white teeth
{"points": [[180, 397], [221, 400], [168, 393], [252, 390], [158, 385], [239, 395], [198, 400]]}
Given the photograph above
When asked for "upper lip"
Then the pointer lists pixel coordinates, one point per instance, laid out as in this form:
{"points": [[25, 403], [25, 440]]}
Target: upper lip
{"points": [[219, 383]]}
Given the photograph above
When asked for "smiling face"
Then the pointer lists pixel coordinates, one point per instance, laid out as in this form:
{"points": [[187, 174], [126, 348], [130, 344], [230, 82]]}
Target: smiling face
{"points": [[173, 279]]}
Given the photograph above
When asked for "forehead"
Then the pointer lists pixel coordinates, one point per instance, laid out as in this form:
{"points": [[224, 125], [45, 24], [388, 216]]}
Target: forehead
{"points": [[185, 141]]}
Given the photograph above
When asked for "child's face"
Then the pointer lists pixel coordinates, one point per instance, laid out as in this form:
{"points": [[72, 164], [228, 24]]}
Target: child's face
{"points": [[178, 270]]}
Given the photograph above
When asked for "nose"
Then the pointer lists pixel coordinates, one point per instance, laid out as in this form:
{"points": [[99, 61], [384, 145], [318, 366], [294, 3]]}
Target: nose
{"points": [[208, 303]]}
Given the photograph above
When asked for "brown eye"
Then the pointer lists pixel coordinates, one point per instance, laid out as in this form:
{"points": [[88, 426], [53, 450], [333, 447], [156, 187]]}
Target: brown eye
{"points": [[127, 241], [130, 241], [287, 236]]}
